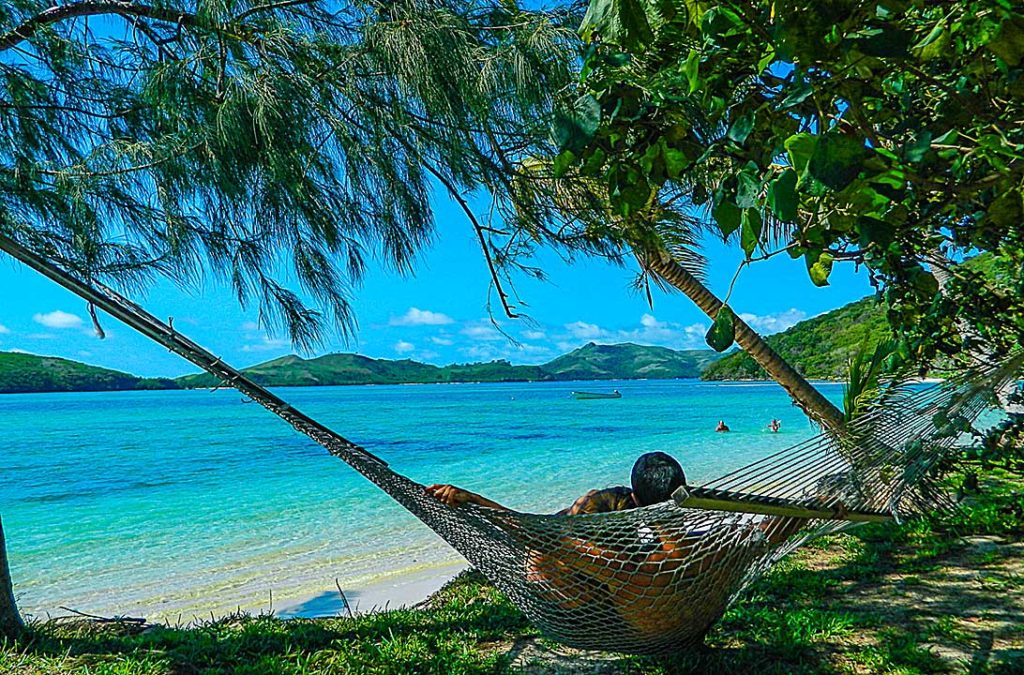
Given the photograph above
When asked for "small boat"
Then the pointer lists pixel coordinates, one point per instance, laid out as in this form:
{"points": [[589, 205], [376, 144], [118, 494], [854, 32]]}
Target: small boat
{"points": [[586, 395]]}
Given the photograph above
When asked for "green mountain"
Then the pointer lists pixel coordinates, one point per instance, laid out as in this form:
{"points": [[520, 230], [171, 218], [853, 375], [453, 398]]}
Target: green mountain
{"points": [[819, 348], [628, 361], [590, 362], [339, 369], [24, 373]]}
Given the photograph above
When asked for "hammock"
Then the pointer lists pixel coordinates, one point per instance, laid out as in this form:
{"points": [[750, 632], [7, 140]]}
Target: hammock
{"points": [[650, 580]]}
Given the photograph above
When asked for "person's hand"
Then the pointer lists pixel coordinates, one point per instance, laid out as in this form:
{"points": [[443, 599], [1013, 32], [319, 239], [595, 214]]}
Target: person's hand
{"points": [[450, 495]]}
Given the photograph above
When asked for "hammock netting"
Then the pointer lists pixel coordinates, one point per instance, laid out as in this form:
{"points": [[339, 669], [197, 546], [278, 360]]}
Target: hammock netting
{"points": [[652, 580]]}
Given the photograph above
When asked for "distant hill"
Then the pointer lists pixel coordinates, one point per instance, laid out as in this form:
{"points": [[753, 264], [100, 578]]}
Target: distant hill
{"points": [[24, 373], [590, 362], [819, 348], [339, 369], [628, 361]]}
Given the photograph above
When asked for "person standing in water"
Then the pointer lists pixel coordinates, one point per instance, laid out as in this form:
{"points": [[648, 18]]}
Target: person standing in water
{"points": [[774, 426], [721, 426]]}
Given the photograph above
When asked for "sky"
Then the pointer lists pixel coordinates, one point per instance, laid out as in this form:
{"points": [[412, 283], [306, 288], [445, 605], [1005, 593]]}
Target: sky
{"points": [[438, 315]]}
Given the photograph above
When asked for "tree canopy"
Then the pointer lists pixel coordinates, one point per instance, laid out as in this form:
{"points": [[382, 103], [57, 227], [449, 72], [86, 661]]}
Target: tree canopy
{"points": [[276, 145], [887, 134]]}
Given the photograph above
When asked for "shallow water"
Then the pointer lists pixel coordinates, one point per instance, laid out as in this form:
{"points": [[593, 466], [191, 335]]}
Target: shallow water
{"points": [[167, 504]]}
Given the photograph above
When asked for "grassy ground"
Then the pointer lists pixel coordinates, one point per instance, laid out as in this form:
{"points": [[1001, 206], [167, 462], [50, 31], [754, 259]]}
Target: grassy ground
{"points": [[920, 598]]}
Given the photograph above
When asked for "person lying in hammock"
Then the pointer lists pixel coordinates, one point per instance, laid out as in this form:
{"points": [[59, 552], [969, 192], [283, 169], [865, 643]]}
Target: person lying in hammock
{"points": [[645, 583], [654, 478]]}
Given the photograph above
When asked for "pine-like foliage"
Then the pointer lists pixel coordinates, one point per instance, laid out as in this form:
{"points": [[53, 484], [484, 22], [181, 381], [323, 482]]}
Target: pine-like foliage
{"points": [[277, 145]]}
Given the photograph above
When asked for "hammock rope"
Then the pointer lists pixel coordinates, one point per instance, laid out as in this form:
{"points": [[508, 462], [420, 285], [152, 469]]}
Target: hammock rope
{"points": [[654, 579]]}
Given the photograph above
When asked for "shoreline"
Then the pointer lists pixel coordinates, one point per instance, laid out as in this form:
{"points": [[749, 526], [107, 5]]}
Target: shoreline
{"points": [[403, 589]]}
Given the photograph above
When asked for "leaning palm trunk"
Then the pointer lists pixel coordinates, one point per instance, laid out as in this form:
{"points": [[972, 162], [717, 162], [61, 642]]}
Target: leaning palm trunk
{"points": [[804, 395], [10, 620]]}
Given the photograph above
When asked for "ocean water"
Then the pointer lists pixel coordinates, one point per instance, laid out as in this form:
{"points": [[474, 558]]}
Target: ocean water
{"points": [[182, 503]]}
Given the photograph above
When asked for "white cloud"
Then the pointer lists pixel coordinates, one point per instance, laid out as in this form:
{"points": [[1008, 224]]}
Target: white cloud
{"points": [[585, 331], [527, 348], [650, 330], [15, 350], [696, 330], [508, 351], [58, 319], [403, 347], [427, 355], [482, 330], [265, 344], [773, 323], [649, 321], [4, 330], [421, 317], [250, 326], [41, 336], [443, 341], [534, 334], [480, 352]]}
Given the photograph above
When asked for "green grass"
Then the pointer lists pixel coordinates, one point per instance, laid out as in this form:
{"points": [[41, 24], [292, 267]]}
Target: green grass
{"points": [[876, 600]]}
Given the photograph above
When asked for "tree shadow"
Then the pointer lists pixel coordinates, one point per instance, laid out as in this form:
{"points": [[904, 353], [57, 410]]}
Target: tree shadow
{"points": [[229, 643]]}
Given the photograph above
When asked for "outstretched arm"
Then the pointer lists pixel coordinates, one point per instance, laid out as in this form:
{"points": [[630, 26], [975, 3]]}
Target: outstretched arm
{"points": [[454, 496]]}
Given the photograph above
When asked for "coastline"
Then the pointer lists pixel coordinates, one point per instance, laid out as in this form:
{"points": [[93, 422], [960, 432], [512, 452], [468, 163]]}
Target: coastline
{"points": [[177, 482], [402, 589]]}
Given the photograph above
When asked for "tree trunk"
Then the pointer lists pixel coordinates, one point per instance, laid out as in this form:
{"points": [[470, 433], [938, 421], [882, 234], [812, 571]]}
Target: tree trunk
{"points": [[10, 620], [817, 407]]}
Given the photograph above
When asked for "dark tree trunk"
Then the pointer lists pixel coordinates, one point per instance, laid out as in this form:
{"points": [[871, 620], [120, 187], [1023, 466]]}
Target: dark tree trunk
{"points": [[10, 620], [804, 395]]}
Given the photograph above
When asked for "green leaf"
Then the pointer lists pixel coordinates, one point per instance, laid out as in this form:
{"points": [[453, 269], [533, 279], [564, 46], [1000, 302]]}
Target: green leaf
{"points": [[800, 148], [1007, 210], [748, 187], [742, 127], [619, 22], [1008, 43], [934, 44], [722, 26], [819, 267], [575, 127], [886, 42], [562, 162], [837, 159], [798, 93], [691, 69], [915, 151], [630, 194], [676, 162], [766, 60], [924, 282], [782, 197], [722, 333], [750, 234], [727, 215]]}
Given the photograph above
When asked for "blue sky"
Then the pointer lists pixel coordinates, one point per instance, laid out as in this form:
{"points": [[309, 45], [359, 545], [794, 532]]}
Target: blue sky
{"points": [[439, 315]]}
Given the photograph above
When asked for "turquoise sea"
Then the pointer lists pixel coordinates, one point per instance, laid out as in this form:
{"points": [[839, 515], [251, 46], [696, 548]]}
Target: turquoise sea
{"points": [[176, 504]]}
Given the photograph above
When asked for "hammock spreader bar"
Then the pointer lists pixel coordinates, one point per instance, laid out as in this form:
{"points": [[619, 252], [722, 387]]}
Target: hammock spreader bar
{"points": [[740, 502]]}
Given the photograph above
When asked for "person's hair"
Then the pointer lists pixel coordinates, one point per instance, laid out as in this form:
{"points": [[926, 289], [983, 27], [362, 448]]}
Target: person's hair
{"points": [[655, 477]]}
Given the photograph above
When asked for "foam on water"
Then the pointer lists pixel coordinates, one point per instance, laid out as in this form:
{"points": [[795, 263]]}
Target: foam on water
{"points": [[168, 503]]}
